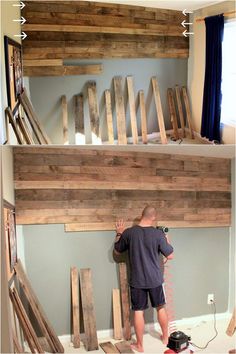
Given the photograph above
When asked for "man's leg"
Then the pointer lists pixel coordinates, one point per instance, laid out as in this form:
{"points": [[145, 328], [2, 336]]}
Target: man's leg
{"points": [[139, 324], [163, 321]]}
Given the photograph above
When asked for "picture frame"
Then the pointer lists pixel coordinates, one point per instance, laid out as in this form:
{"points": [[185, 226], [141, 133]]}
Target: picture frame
{"points": [[14, 72]]}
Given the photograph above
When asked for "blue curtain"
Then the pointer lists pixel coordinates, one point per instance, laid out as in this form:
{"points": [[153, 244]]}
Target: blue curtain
{"points": [[212, 96]]}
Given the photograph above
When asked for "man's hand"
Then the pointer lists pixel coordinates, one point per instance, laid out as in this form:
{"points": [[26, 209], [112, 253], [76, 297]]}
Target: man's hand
{"points": [[120, 226]]}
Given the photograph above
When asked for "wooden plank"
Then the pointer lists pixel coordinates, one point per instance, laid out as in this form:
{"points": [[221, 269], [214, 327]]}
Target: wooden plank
{"points": [[79, 119], [180, 109], [188, 111], [120, 111], [29, 132], [117, 314], [108, 348], [157, 98], [19, 308], [133, 118], [76, 227], [93, 108], [10, 116], [29, 113], [35, 117], [64, 70], [143, 117], [31, 122], [46, 62], [22, 322], [34, 300], [109, 116], [232, 325], [125, 301], [173, 116], [27, 218], [91, 342], [75, 306], [25, 131], [65, 120], [17, 346], [124, 347]]}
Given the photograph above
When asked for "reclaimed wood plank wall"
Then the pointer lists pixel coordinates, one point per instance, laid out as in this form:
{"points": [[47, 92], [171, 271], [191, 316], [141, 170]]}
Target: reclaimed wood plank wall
{"points": [[89, 189], [90, 30]]}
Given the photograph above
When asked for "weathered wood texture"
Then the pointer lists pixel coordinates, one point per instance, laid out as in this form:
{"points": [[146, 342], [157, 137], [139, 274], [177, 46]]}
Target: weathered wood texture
{"points": [[120, 111], [89, 189], [125, 302], [41, 69], [91, 341], [160, 117], [124, 347], [93, 108], [75, 306], [116, 314], [108, 348], [86, 30], [173, 115]]}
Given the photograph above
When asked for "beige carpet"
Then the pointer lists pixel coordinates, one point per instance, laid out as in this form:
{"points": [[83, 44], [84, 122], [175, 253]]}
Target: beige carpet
{"points": [[200, 333]]}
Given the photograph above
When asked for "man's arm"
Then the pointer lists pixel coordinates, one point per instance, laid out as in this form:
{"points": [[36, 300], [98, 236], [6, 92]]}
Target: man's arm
{"points": [[171, 255], [120, 227], [165, 247]]}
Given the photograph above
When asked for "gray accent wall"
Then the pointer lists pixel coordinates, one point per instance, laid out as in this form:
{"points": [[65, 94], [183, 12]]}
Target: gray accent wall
{"points": [[46, 92], [200, 267], [232, 266]]}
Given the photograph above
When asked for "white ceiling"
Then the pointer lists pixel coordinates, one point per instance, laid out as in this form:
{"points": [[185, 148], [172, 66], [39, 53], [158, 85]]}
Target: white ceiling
{"points": [[190, 5]]}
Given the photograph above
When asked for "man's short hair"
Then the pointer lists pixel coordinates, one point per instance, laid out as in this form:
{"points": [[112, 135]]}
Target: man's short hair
{"points": [[149, 212]]}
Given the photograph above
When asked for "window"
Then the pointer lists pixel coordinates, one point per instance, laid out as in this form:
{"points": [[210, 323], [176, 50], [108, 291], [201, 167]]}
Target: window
{"points": [[228, 109]]}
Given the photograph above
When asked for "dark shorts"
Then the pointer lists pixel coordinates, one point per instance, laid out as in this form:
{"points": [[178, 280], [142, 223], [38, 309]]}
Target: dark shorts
{"points": [[139, 298]]}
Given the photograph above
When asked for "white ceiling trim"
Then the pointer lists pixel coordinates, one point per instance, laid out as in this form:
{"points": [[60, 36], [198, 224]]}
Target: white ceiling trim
{"points": [[190, 5]]}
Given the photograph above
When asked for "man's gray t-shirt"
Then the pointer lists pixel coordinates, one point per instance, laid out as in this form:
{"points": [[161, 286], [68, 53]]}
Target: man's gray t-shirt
{"points": [[144, 245]]}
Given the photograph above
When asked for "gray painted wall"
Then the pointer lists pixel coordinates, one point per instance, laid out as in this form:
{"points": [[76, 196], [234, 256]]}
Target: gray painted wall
{"points": [[46, 92], [232, 245], [201, 266]]}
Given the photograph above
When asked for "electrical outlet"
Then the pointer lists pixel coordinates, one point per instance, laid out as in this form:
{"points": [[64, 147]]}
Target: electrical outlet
{"points": [[210, 299]]}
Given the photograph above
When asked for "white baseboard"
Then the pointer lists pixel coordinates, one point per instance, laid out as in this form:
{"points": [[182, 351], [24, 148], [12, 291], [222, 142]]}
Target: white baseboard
{"points": [[108, 333]]}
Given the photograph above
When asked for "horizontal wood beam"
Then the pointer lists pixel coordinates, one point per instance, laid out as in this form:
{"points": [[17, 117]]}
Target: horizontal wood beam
{"points": [[63, 70], [43, 62], [155, 30], [76, 227]]}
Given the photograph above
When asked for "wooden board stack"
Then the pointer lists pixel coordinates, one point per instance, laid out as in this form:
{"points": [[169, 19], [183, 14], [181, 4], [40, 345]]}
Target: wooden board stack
{"points": [[25, 123], [120, 117], [179, 102], [89, 320], [69, 185], [45, 327]]}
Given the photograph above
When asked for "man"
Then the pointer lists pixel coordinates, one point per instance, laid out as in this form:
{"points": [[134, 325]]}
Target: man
{"points": [[144, 244]]}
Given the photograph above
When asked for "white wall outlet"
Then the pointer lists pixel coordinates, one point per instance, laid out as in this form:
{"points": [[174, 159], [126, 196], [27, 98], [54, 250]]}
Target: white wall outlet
{"points": [[210, 299]]}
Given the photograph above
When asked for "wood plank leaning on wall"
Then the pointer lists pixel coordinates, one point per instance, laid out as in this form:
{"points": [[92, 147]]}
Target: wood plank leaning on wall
{"points": [[45, 326], [67, 185], [91, 342]]}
